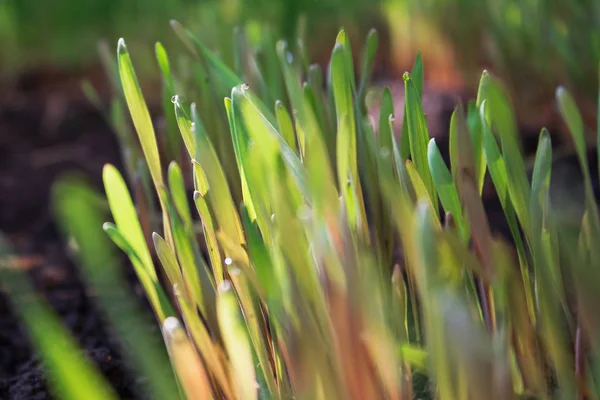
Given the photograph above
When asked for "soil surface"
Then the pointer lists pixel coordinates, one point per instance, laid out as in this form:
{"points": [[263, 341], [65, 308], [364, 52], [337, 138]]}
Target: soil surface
{"points": [[48, 128]]}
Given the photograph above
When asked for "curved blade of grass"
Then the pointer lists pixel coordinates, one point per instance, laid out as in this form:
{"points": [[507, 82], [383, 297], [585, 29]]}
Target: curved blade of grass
{"points": [[548, 276], [128, 225], [497, 169], [500, 117], [139, 112], [141, 121], [418, 134], [237, 344]]}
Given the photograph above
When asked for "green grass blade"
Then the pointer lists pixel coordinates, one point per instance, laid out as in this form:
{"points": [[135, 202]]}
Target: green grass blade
{"points": [[168, 260], [474, 124], [210, 236], [501, 118], [446, 188], [572, 117], [219, 193], [418, 134], [368, 55], [199, 290], [139, 112], [386, 134], [185, 128], [286, 126], [417, 77], [128, 225], [177, 189], [347, 154]]}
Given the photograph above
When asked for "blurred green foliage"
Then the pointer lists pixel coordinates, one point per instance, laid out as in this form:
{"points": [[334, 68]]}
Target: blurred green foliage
{"points": [[66, 33], [546, 42]]}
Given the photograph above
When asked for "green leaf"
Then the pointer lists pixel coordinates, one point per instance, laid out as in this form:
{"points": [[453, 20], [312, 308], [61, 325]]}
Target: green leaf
{"points": [[418, 134], [446, 187], [139, 113], [219, 192], [210, 236], [500, 117], [168, 260], [417, 76], [285, 126], [474, 124], [386, 134], [177, 189], [125, 216], [197, 279], [173, 139], [370, 48]]}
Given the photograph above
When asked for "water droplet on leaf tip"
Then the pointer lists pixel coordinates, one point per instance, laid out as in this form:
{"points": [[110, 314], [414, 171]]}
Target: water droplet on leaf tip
{"points": [[228, 261], [175, 99]]}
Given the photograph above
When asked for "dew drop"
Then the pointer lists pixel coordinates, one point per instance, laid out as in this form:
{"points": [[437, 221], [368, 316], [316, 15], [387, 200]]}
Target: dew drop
{"points": [[290, 57], [171, 324], [228, 261], [245, 87], [225, 286], [406, 76], [193, 127], [175, 99]]}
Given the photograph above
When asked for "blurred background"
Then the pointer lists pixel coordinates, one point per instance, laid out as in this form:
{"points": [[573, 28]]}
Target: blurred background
{"points": [[51, 51], [48, 125]]}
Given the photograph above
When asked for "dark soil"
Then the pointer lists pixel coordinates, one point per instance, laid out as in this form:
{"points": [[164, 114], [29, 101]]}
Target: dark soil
{"points": [[48, 128], [44, 132]]}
